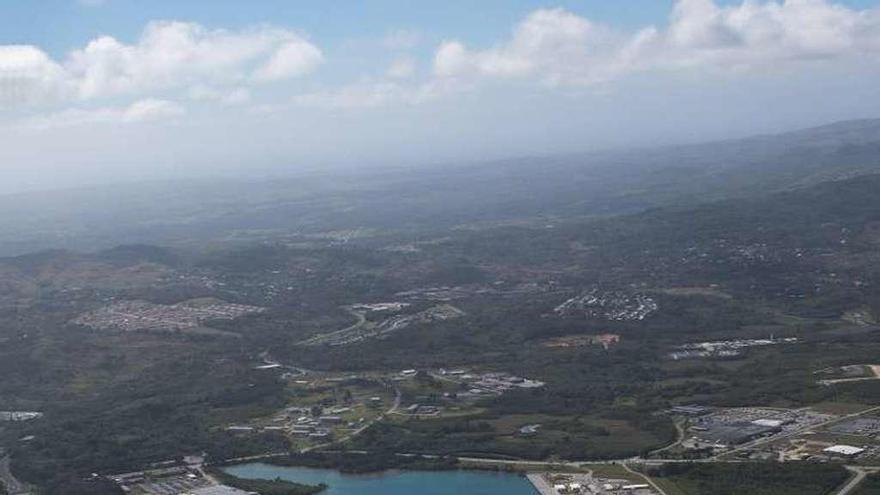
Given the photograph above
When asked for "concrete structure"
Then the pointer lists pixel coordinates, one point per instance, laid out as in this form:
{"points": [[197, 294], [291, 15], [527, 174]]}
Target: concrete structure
{"points": [[770, 423], [734, 434], [219, 490], [843, 450]]}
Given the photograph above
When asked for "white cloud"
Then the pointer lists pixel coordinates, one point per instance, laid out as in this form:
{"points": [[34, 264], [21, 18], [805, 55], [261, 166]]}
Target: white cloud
{"points": [[761, 33], [292, 59], [558, 47], [179, 60], [233, 96], [549, 43], [169, 55], [151, 109], [28, 75], [374, 94], [172, 54], [148, 110]]}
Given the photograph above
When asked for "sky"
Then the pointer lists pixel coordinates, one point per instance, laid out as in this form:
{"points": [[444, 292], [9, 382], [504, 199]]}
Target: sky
{"points": [[95, 91]]}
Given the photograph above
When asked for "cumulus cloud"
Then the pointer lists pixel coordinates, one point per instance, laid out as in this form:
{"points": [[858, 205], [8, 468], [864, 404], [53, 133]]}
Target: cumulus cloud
{"points": [[169, 55], [754, 34], [185, 60], [559, 47], [293, 58], [552, 44], [173, 54], [28, 75]]}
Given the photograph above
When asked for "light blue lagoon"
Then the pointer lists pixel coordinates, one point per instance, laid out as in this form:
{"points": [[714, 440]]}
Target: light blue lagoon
{"points": [[393, 482]]}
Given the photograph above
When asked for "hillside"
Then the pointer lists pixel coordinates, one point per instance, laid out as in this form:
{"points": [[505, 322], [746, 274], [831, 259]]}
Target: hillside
{"points": [[372, 202], [131, 350]]}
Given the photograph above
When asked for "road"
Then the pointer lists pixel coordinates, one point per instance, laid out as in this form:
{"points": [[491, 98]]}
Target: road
{"points": [[361, 320], [875, 370], [859, 472], [644, 477], [268, 359], [852, 484], [394, 406], [13, 486], [680, 434]]}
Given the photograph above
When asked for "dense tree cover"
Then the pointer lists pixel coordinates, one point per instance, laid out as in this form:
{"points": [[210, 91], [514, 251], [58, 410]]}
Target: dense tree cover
{"points": [[573, 439], [266, 487], [114, 402], [74, 485], [870, 486], [177, 404], [752, 478], [377, 460], [413, 199]]}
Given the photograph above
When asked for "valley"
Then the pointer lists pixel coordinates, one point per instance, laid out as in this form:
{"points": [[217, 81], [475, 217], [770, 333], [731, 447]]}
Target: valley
{"points": [[703, 333]]}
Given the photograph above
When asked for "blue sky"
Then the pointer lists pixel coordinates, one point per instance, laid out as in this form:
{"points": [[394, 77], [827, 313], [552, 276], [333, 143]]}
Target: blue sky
{"points": [[59, 25], [94, 90]]}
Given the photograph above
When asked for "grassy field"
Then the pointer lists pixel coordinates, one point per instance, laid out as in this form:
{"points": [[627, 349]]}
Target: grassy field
{"points": [[871, 486], [750, 479], [841, 408]]}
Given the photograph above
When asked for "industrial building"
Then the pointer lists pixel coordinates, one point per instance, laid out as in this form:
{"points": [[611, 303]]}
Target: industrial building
{"points": [[724, 435], [219, 490], [847, 451]]}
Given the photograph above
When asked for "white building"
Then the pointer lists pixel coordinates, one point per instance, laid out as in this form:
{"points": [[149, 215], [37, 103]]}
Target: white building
{"points": [[843, 450]]}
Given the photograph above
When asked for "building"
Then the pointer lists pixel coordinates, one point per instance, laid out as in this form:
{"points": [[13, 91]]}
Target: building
{"points": [[847, 451], [734, 434], [219, 490], [771, 423]]}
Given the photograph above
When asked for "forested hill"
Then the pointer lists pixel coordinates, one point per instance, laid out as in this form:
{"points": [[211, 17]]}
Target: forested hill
{"points": [[421, 197]]}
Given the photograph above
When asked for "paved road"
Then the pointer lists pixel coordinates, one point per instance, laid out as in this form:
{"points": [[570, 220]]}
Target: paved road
{"points": [[680, 434], [644, 477], [859, 476], [13, 486], [397, 398], [322, 338], [860, 472]]}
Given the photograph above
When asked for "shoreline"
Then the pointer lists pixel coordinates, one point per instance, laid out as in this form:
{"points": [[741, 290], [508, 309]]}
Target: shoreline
{"points": [[541, 485]]}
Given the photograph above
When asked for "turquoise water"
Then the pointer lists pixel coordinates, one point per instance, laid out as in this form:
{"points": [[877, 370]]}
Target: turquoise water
{"points": [[393, 482]]}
